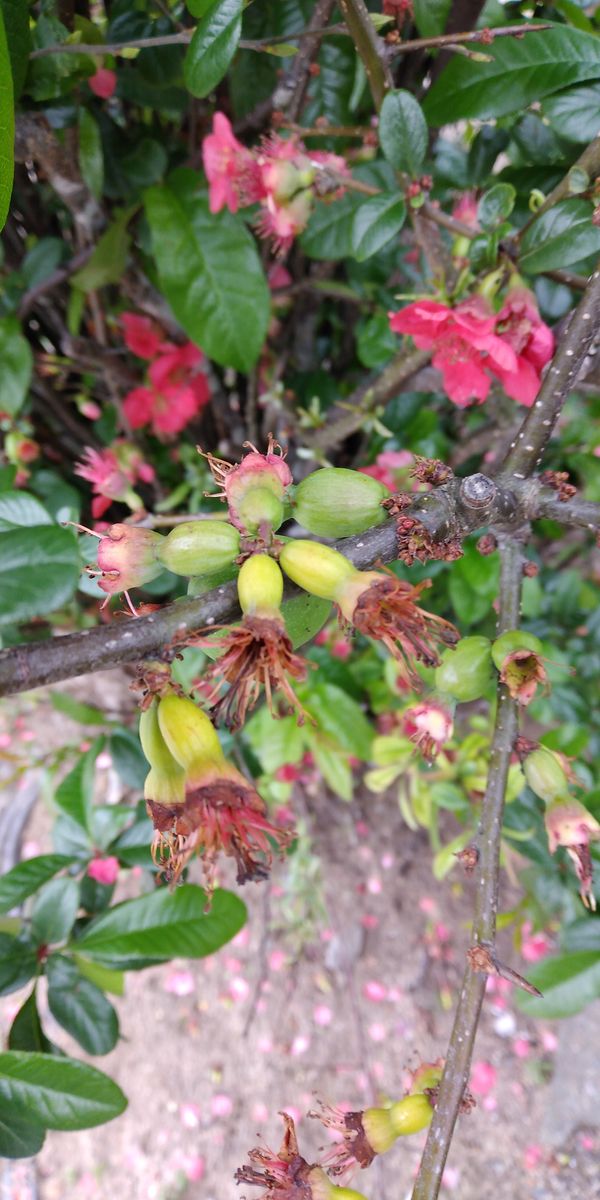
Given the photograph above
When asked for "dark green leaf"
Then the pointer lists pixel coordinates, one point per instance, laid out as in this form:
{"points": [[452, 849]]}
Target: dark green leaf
{"points": [[75, 794], [133, 846], [18, 963], [91, 161], [19, 508], [59, 1093], [473, 585], [7, 125], [19, 1138], [560, 237], [80, 1007], [583, 934], [109, 258], [329, 231], [54, 911], [431, 16], [340, 717], [520, 72], [128, 758], [26, 1031], [568, 981], [496, 205], [210, 272], [164, 925], [27, 877], [304, 616], [376, 222], [16, 361], [39, 570], [85, 714], [403, 132], [16, 24], [575, 114], [199, 8], [213, 47], [375, 342]]}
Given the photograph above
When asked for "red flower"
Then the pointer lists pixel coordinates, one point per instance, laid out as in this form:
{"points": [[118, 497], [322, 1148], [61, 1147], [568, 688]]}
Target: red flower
{"points": [[519, 325], [176, 395], [103, 83], [231, 169], [103, 870], [141, 335], [463, 343], [387, 464]]}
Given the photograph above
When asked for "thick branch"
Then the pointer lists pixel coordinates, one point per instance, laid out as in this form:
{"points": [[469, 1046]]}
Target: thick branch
{"points": [[583, 513], [526, 451], [460, 1049], [369, 46]]}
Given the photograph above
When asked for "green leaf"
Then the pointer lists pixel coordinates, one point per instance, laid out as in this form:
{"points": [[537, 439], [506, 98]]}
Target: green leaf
{"points": [[569, 982], [74, 795], [16, 360], [520, 72], [339, 716], [80, 1007], [104, 977], [496, 205], [334, 768], [431, 16], [209, 271], [27, 877], [7, 125], [16, 25], [128, 757], [213, 47], [58, 1093], [199, 8], [575, 114], [26, 1031], [91, 160], [19, 508], [18, 963], [85, 714], [39, 571], [274, 741], [19, 1138], [473, 584], [164, 925], [281, 50], [54, 911], [304, 616], [559, 237], [376, 222], [109, 258], [403, 132]]}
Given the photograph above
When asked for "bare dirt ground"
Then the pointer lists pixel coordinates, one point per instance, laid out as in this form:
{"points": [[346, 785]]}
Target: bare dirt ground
{"points": [[210, 1051]]}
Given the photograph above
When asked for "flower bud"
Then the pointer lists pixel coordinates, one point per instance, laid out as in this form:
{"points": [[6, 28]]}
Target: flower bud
{"points": [[318, 569], [189, 734], [545, 775], [128, 557], [260, 585], [336, 502], [466, 671], [411, 1114], [514, 639], [260, 508], [165, 782], [200, 547]]}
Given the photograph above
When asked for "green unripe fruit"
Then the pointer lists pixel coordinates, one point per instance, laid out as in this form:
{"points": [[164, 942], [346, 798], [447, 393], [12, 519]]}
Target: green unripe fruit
{"points": [[199, 547], [336, 502], [260, 507], [165, 782], [319, 1187], [188, 732], [318, 569], [544, 774], [514, 639], [260, 585], [377, 1124], [411, 1114], [466, 671]]}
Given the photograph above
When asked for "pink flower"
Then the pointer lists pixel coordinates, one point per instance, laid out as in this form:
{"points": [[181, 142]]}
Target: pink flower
{"points": [[281, 222], [141, 335], [231, 170], [519, 324], [375, 991], [521, 1047], [322, 1015], [387, 464], [465, 210], [534, 945], [112, 472], [429, 725], [463, 343], [103, 83], [176, 393], [483, 1078], [532, 1156], [103, 870], [193, 1167], [571, 825], [179, 983], [221, 1105]]}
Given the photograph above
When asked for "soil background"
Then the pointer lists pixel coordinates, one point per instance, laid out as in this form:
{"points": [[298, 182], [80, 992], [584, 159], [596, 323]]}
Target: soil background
{"points": [[212, 1050]]}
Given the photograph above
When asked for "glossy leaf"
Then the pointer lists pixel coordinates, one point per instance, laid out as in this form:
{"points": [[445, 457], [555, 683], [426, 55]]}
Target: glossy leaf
{"points": [[213, 46], [74, 795], [57, 1093], [568, 982], [18, 963], [16, 361], [431, 16], [104, 977], [560, 237], [575, 114], [519, 73], [26, 1031], [16, 25], [80, 1006], [403, 132], [340, 717], [19, 508], [376, 222], [209, 271], [54, 911], [91, 160], [109, 257], [76, 710], [19, 1138], [7, 124], [304, 616], [164, 925], [24, 879], [39, 571]]}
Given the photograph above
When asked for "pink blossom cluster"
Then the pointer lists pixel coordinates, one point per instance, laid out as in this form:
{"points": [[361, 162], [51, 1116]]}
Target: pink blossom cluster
{"points": [[472, 344], [176, 390], [113, 472], [280, 175], [103, 83]]}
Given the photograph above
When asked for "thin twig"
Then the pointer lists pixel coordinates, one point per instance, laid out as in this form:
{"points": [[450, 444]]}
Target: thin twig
{"points": [[369, 46], [462, 1038], [584, 514], [309, 46], [485, 36], [588, 161]]}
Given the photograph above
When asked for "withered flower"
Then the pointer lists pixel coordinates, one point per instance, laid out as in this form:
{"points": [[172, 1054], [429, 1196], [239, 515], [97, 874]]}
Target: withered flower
{"points": [[385, 608], [569, 824], [521, 672], [286, 1175]]}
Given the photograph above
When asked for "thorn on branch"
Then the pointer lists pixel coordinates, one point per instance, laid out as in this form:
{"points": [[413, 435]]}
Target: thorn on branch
{"points": [[483, 960]]}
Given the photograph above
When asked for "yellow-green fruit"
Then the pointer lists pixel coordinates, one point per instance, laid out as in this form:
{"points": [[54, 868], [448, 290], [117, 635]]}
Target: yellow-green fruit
{"points": [[337, 502], [411, 1114], [199, 547], [260, 585], [514, 639], [320, 1187], [466, 671], [188, 732], [318, 569], [545, 775], [165, 782], [377, 1124], [260, 507]]}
